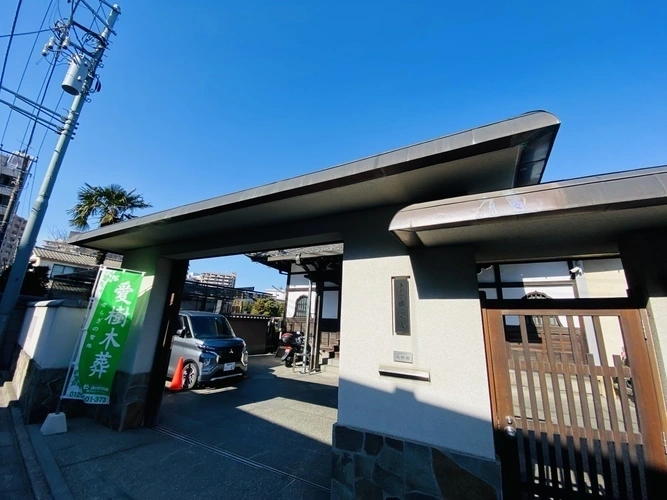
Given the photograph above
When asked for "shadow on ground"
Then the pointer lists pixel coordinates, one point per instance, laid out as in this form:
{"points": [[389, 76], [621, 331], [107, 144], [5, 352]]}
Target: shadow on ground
{"points": [[279, 421]]}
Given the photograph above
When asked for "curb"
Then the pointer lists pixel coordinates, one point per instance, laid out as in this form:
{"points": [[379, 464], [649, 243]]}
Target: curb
{"points": [[54, 478], [46, 481], [36, 478]]}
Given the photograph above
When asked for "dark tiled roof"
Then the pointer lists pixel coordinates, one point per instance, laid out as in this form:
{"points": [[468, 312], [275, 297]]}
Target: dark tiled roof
{"points": [[319, 250], [68, 257]]}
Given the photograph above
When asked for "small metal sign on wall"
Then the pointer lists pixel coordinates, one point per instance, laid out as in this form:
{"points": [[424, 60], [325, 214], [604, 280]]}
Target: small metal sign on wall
{"points": [[401, 292]]}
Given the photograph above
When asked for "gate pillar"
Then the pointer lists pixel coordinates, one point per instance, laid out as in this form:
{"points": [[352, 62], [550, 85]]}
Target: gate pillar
{"points": [[644, 257], [131, 383]]}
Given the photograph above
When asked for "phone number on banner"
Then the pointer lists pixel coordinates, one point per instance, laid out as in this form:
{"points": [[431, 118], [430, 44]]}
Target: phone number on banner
{"points": [[95, 400]]}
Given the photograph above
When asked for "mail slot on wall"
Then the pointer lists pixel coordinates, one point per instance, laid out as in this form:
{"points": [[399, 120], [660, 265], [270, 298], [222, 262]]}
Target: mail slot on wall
{"points": [[401, 293]]}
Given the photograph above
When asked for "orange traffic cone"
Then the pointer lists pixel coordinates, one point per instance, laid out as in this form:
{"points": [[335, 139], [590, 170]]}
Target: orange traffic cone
{"points": [[177, 380]]}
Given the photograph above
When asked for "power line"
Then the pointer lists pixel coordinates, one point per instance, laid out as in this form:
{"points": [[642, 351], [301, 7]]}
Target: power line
{"points": [[44, 88], [17, 191], [35, 167], [9, 43], [25, 70], [35, 164], [26, 33]]}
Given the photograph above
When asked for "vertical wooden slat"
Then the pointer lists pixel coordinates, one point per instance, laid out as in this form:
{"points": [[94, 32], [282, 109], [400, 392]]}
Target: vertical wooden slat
{"points": [[523, 468], [550, 472], [550, 452], [611, 486], [602, 427], [574, 424], [539, 452], [525, 441], [641, 471], [607, 377], [560, 416], [581, 372], [632, 442], [550, 455], [534, 485], [585, 374], [611, 408]]}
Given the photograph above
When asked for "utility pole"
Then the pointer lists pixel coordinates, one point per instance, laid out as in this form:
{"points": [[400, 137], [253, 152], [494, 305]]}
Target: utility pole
{"points": [[79, 82]]}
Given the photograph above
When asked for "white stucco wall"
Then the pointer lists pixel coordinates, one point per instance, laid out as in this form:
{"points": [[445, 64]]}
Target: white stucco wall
{"points": [[604, 278], [329, 302], [50, 332], [453, 409]]}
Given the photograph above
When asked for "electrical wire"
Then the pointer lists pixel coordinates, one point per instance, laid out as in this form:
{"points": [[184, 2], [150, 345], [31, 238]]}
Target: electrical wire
{"points": [[33, 175], [25, 69], [95, 21], [26, 33], [9, 43], [44, 88]]}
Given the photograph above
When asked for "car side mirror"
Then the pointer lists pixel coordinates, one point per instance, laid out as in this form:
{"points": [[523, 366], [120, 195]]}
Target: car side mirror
{"points": [[181, 332]]}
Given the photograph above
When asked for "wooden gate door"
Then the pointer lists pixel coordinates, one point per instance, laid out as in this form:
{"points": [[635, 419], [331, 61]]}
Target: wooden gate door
{"points": [[576, 403]]}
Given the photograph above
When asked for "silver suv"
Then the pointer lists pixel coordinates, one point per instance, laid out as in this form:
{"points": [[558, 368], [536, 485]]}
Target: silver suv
{"points": [[209, 348]]}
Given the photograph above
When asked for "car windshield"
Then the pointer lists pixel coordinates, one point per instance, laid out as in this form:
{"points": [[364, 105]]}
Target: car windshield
{"points": [[211, 327]]}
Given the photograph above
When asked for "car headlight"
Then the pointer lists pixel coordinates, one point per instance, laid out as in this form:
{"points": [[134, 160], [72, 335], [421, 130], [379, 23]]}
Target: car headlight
{"points": [[208, 362], [244, 357]]}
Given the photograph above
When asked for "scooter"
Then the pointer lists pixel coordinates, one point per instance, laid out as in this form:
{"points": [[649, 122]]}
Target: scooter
{"points": [[294, 344]]}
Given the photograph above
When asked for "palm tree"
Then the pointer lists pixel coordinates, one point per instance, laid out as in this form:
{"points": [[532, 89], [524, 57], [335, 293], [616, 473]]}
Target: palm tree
{"points": [[108, 204]]}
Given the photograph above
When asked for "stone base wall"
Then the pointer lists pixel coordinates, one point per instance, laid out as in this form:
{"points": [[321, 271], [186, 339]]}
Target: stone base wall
{"points": [[127, 402], [370, 466], [38, 391]]}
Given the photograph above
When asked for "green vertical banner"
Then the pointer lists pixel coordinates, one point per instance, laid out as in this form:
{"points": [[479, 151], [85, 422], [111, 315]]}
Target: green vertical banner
{"points": [[106, 334]]}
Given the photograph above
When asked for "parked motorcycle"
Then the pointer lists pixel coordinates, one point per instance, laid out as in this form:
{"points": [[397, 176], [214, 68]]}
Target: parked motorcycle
{"points": [[294, 343]]}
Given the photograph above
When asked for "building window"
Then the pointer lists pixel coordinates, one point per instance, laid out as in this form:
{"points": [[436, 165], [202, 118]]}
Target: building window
{"points": [[538, 320], [59, 270], [301, 308]]}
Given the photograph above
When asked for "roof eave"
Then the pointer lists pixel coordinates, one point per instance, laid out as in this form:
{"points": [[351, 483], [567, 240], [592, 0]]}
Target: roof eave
{"points": [[527, 128]]}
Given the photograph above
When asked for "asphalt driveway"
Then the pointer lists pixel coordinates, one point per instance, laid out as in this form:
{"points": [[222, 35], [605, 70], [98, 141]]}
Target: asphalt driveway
{"points": [[264, 437], [276, 419]]}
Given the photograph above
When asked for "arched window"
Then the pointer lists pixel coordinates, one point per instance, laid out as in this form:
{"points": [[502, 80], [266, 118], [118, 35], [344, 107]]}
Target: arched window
{"points": [[301, 308], [537, 320]]}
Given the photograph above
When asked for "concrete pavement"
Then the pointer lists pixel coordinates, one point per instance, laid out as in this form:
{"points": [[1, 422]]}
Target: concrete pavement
{"points": [[13, 477], [265, 437]]}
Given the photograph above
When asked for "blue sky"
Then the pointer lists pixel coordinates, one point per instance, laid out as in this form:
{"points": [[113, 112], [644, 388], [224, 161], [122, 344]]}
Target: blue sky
{"points": [[205, 98]]}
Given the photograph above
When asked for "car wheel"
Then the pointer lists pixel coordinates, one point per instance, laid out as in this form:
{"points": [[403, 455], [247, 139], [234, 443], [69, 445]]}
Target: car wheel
{"points": [[190, 375]]}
